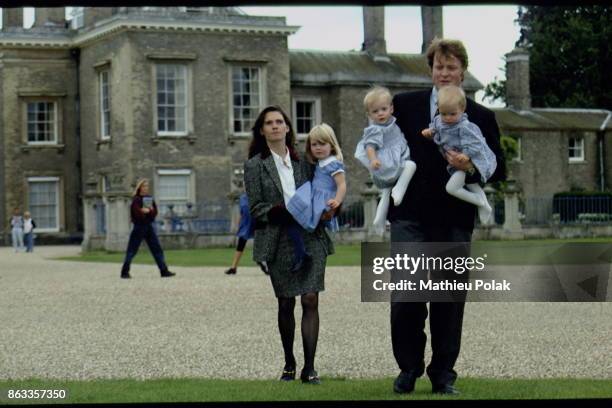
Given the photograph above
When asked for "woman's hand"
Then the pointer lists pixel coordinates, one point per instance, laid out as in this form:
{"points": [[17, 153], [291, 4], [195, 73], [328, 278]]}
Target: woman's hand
{"points": [[145, 210]]}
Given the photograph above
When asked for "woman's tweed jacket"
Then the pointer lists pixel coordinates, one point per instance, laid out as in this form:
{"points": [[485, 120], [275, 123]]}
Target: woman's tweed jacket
{"points": [[264, 189]]}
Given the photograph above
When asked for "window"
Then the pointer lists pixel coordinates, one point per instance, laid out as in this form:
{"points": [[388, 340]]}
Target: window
{"points": [[78, 17], [104, 104], [576, 149], [247, 98], [42, 122], [174, 187], [306, 114], [43, 195], [171, 99]]}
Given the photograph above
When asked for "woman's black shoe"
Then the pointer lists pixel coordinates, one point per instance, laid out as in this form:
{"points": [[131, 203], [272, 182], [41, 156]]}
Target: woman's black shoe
{"points": [[231, 271], [310, 377], [288, 374]]}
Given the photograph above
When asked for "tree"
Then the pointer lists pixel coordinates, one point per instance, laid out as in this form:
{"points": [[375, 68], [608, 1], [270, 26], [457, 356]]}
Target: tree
{"points": [[570, 56]]}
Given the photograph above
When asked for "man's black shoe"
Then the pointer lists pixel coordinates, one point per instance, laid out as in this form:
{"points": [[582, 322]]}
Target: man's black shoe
{"points": [[167, 274], [404, 383], [446, 389]]}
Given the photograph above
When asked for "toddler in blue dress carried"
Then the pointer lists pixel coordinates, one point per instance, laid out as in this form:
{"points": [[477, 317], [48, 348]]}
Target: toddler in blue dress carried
{"points": [[326, 190], [383, 150], [452, 131]]}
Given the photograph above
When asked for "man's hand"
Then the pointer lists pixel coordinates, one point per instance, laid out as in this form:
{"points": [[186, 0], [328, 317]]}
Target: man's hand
{"points": [[428, 133], [460, 161], [375, 164]]}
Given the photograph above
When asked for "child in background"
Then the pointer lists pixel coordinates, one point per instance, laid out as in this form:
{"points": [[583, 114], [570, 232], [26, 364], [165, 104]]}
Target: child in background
{"points": [[384, 152], [452, 131], [28, 231], [327, 189], [16, 223], [245, 232]]}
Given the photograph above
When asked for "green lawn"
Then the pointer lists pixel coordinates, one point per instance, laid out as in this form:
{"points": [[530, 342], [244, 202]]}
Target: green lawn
{"points": [[499, 252], [204, 390]]}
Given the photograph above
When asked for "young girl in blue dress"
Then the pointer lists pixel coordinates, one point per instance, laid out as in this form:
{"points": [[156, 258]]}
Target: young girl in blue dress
{"points": [[326, 190], [383, 150], [452, 131]]}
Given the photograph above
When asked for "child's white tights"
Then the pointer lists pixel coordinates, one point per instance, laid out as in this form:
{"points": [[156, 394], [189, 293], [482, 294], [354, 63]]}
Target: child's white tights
{"points": [[397, 193], [475, 196]]}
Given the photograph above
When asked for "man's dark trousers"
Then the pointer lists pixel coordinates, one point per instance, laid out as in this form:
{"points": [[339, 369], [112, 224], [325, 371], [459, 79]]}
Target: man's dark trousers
{"points": [[408, 318]]}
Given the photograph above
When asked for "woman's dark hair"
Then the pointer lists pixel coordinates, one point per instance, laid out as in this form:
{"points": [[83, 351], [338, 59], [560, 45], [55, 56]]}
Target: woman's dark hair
{"points": [[258, 142]]}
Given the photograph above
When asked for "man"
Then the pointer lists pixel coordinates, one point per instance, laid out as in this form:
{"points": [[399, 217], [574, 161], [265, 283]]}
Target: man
{"points": [[429, 214]]}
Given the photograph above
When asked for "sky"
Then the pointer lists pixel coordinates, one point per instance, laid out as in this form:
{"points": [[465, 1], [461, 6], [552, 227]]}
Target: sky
{"points": [[488, 32]]}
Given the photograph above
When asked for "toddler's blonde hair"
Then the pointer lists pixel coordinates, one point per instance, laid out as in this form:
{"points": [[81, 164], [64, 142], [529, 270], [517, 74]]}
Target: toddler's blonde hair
{"points": [[323, 133], [376, 93], [450, 96]]}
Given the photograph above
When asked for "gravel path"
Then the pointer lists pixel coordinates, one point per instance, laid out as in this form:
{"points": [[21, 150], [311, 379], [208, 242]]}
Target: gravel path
{"points": [[73, 320]]}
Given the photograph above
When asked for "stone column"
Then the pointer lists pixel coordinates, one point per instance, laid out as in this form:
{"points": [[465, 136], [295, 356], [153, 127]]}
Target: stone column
{"points": [[374, 30], [89, 222], [518, 95], [49, 16], [512, 224], [431, 24], [118, 222], [370, 201], [12, 17]]}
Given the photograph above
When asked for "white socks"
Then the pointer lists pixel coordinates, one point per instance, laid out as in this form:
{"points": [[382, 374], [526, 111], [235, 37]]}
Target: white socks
{"points": [[475, 196], [380, 219], [398, 191]]}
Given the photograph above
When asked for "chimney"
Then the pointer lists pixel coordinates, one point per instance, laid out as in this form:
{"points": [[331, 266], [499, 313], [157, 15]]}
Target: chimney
{"points": [[517, 79], [49, 16], [432, 24], [374, 31], [94, 14], [12, 17]]}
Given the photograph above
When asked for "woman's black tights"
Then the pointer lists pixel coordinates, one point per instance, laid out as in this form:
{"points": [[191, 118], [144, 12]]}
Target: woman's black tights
{"points": [[310, 328]]}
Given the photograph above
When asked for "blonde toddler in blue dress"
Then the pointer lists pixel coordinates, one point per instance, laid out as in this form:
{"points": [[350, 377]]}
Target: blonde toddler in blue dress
{"points": [[452, 131], [384, 152], [328, 187]]}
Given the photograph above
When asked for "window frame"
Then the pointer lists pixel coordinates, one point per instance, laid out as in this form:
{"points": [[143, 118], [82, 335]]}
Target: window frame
{"points": [[581, 158], [316, 100], [101, 122], [56, 120], [58, 200], [188, 90], [262, 93], [190, 173]]}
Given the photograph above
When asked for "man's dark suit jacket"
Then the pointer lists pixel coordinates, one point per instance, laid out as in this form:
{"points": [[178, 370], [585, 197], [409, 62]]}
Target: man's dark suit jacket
{"points": [[426, 199]]}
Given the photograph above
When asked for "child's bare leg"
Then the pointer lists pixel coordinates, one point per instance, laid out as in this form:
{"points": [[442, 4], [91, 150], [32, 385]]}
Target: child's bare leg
{"points": [[381, 211], [398, 191], [484, 211]]}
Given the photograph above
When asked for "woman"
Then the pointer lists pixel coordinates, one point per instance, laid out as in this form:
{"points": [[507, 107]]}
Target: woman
{"points": [[144, 211], [271, 175]]}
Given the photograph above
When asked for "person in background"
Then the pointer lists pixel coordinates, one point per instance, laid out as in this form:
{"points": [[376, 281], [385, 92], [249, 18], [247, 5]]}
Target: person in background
{"points": [[245, 232], [16, 224], [28, 231], [143, 211]]}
